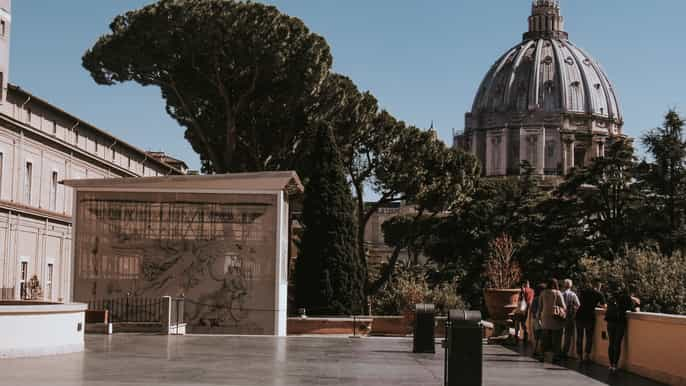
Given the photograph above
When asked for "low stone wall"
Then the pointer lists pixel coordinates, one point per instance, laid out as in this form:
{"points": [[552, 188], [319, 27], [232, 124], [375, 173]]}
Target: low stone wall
{"points": [[654, 346], [373, 325], [38, 329], [390, 326], [329, 326]]}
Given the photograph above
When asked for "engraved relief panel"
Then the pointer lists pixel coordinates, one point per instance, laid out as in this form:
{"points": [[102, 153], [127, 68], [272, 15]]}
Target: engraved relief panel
{"points": [[216, 250]]}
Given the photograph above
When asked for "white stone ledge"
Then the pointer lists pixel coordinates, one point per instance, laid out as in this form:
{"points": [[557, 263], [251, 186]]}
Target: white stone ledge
{"points": [[38, 329], [37, 309]]}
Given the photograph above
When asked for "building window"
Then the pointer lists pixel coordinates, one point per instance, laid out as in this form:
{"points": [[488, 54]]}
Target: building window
{"points": [[96, 146], [29, 115], [48, 282], [54, 127], [114, 155], [28, 182], [23, 280], [3, 28], [76, 137], [53, 191], [129, 162]]}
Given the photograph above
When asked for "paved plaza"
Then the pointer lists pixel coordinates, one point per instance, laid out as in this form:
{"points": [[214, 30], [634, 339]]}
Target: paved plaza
{"points": [[131, 359]]}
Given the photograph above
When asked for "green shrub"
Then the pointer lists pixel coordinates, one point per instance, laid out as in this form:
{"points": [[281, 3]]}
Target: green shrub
{"points": [[410, 287], [656, 279]]}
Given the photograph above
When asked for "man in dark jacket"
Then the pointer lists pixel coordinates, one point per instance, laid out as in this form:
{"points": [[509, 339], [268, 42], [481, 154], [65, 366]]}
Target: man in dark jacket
{"points": [[618, 305], [590, 299]]}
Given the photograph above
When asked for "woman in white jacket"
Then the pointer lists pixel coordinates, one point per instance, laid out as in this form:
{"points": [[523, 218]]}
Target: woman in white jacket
{"points": [[552, 314]]}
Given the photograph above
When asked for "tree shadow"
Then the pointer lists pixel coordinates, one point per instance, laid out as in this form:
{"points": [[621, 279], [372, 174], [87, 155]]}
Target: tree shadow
{"points": [[594, 371]]}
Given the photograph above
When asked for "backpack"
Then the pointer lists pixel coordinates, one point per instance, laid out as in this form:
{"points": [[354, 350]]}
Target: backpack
{"points": [[613, 313]]}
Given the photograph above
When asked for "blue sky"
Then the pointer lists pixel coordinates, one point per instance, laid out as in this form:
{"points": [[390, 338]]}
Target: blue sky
{"points": [[422, 59]]}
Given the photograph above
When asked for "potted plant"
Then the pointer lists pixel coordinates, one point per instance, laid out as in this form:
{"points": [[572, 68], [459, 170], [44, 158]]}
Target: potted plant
{"points": [[35, 290], [503, 275]]}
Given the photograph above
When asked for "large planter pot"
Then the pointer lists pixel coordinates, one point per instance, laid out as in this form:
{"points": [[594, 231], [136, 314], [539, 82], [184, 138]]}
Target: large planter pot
{"points": [[501, 302]]}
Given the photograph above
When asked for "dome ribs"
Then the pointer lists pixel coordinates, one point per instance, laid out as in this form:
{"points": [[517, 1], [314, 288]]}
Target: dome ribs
{"points": [[608, 91], [545, 98]]}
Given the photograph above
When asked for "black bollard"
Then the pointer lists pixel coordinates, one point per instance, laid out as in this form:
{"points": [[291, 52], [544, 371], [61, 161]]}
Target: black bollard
{"points": [[424, 323], [463, 349]]}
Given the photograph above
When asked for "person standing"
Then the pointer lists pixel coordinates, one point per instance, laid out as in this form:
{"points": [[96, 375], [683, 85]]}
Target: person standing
{"points": [[618, 305], [572, 303], [552, 313], [536, 321], [526, 297], [590, 299]]}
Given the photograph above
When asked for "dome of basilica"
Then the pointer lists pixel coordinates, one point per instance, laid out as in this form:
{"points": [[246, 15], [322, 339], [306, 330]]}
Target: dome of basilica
{"points": [[550, 75], [545, 101]]}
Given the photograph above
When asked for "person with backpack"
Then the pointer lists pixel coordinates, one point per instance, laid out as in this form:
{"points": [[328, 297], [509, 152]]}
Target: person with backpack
{"points": [[552, 313], [619, 303], [590, 299]]}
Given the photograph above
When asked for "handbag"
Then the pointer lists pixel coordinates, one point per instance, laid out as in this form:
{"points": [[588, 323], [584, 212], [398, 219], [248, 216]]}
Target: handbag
{"points": [[523, 307], [559, 312]]}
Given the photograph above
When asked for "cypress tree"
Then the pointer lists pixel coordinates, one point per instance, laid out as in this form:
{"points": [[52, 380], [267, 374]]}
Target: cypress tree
{"points": [[326, 278]]}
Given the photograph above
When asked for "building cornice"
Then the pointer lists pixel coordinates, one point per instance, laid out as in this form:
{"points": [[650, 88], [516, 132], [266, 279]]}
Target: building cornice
{"points": [[25, 210], [143, 155], [64, 146]]}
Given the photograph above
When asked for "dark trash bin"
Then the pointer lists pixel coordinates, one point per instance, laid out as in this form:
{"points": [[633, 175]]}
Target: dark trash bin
{"points": [[463, 349], [424, 323]]}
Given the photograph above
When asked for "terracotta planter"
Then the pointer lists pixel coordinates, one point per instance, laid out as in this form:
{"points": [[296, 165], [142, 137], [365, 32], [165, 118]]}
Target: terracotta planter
{"points": [[501, 302]]}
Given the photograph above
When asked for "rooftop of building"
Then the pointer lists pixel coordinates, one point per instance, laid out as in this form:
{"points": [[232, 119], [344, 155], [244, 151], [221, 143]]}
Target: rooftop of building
{"points": [[32, 98], [287, 181]]}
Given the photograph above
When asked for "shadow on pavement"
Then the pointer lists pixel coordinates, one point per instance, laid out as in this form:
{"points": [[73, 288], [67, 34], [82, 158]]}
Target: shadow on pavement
{"points": [[595, 371]]}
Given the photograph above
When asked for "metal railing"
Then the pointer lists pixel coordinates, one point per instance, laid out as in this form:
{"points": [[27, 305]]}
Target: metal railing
{"points": [[130, 309]]}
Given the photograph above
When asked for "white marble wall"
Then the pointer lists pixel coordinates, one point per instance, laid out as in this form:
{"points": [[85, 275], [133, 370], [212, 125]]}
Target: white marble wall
{"points": [[532, 148], [496, 152]]}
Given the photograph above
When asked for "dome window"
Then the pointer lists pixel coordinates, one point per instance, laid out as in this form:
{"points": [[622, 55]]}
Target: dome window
{"points": [[548, 60], [569, 61], [576, 84], [587, 62], [597, 86]]}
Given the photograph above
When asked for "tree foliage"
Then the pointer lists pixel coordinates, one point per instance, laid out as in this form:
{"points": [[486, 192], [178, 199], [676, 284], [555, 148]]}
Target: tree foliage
{"points": [[239, 76], [436, 181], [607, 198], [460, 241], [326, 278], [656, 278], [665, 180]]}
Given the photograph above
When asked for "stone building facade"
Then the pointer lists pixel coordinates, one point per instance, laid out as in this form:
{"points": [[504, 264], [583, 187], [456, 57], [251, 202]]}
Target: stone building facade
{"points": [[545, 101], [41, 145], [220, 241]]}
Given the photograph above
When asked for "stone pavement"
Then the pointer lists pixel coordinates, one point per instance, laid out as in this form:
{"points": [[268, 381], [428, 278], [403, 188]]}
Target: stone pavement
{"points": [[132, 359]]}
